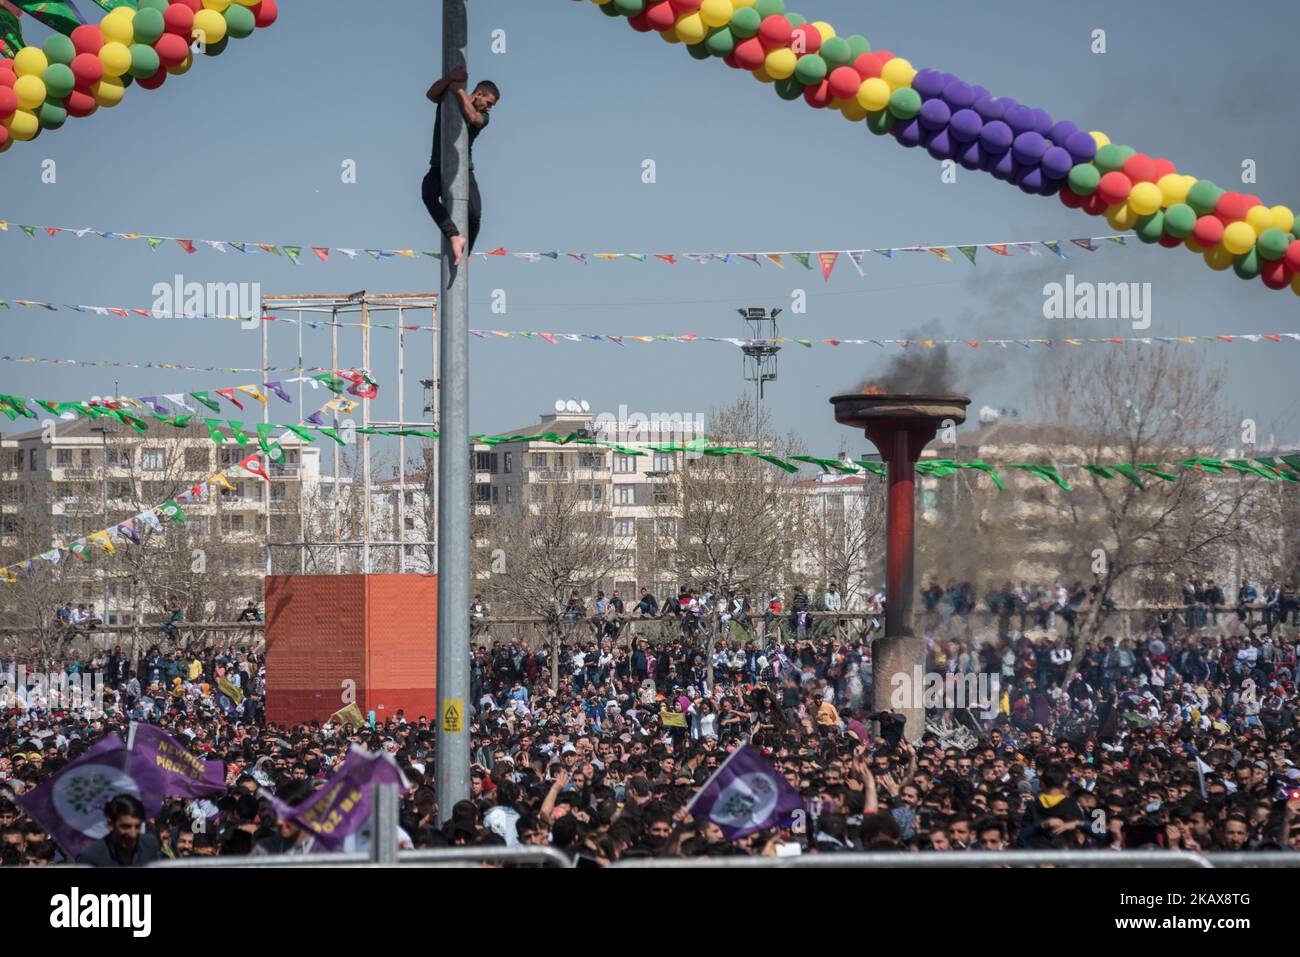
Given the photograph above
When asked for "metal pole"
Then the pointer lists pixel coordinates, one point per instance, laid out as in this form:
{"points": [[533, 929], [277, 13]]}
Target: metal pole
{"points": [[302, 463], [334, 367], [365, 441], [452, 763], [435, 403], [266, 418], [401, 441]]}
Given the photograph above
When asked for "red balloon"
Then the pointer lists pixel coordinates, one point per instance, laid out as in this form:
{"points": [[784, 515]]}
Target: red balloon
{"points": [[686, 6], [88, 69], [79, 103], [1233, 207], [1140, 168], [7, 79], [4, 136], [750, 54], [1071, 199], [8, 102], [179, 20], [1275, 274], [194, 5], [730, 60], [1292, 256], [155, 81], [1164, 168], [885, 56], [661, 15], [639, 23], [1094, 205], [869, 65], [88, 38], [812, 38], [1169, 242], [1114, 187], [171, 49], [819, 96], [1208, 231], [845, 82], [266, 13], [775, 31]]}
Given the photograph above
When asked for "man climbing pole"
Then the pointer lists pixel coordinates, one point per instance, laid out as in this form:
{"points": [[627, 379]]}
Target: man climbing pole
{"points": [[476, 108]]}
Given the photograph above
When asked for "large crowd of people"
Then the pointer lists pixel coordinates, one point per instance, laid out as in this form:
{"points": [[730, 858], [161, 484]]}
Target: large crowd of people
{"points": [[594, 742]]}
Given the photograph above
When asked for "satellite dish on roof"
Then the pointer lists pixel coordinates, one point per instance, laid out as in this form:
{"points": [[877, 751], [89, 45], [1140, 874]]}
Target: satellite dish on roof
{"points": [[559, 405]]}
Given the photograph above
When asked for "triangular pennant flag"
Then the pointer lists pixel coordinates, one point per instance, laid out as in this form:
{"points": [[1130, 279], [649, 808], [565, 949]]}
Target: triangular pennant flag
{"points": [[293, 252], [220, 479], [887, 253], [322, 253], [103, 541], [750, 257], [173, 511], [1087, 244], [127, 531], [941, 252], [828, 260], [803, 259], [1118, 240], [999, 248], [269, 248], [856, 256], [154, 241], [774, 259], [581, 257], [230, 394], [969, 252], [251, 390], [253, 466], [669, 258], [187, 245], [206, 400], [1055, 246], [278, 389]]}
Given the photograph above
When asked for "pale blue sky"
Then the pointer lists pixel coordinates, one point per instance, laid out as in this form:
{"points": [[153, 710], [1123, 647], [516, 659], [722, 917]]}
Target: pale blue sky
{"points": [[248, 146]]}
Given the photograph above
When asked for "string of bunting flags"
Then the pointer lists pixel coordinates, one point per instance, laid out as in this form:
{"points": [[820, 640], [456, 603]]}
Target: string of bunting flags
{"points": [[824, 260], [121, 312], [178, 366]]}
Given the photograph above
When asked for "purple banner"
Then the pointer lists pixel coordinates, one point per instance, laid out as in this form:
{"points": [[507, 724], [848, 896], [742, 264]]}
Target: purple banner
{"points": [[745, 795], [179, 773], [342, 807]]}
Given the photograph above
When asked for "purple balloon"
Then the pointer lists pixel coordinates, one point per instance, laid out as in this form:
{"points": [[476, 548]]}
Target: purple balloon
{"points": [[1028, 178], [1020, 118], [1042, 122], [970, 155], [940, 145], [909, 132], [1051, 186], [1060, 133], [1082, 147], [959, 95], [981, 92], [1029, 148], [928, 83], [965, 126], [1057, 162], [996, 137], [1005, 167], [991, 108], [935, 114]]}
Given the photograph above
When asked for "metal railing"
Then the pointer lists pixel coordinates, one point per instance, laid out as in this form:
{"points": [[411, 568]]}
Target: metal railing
{"points": [[981, 859]]}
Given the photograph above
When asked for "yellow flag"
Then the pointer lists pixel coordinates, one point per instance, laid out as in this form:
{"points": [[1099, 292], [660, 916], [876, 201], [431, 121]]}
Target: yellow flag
{"points": [[672, 719], [102, 539], [220, 479], [251, 390], [230, 691], [351, 715]]}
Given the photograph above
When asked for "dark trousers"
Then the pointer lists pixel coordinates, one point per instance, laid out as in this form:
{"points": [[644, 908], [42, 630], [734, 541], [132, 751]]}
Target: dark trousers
{"points": [[432, 194]]}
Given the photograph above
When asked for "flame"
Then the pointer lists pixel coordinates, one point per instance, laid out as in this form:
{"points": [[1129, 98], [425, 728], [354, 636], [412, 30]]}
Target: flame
{"points": [[873, 389]]}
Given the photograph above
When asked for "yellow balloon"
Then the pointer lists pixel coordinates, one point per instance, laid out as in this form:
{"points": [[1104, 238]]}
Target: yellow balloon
{"points": [[780, 63], [1145, 198], [248, 3], [217, 5], [119, 26], [1283, 218], [670, 35], [1173, 189], [821, 26], [30, 61], [873, 94], [1259, 218], [109, 91], [115, 57], [210, 26], [1101, 139], [1193, 245], [853, 111], [743, 3], [691, 28], [183, 67], [898, 73], [1295, 284], [23, 125], [30, 91], [1238, 238], [1218, 258], [716, 13], [1122, 217], [762, 76]]}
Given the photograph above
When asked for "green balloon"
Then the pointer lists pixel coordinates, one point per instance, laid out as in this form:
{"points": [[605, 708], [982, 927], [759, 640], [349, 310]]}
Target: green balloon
{"points": [[721, 42], [59, 49], [1247, 264], [905, 103], [1203, 197], [699, 50], [159, 5], [1084, 178], [1151, 228], [144, 61], [859, 44], [51, 115], [810, 69], [59, 81], [789, 88], [881, 122], [629, 8], [1180, 220], [240, 21], [1272, 243], [149, 25], [1125, 152], [218, 48], [837, 52], [610, 10], [796, 20], [1110, 158], [745, 23], [770, 8]]}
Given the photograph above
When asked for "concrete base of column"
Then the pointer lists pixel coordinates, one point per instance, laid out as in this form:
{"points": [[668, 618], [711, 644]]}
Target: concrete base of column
{"points": [[903, 657]]}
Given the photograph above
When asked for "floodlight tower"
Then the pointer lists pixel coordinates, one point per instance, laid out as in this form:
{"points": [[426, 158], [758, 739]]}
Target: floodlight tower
{"points": [[760, 351]]}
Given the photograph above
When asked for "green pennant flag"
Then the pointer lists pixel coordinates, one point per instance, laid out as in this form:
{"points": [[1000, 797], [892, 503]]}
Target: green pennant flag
{"points": [[214, 431], [293, 252], [826, 465], [1130, 473], [29, 230], [303, 433], [1100, 470], [204, 399], [11, 34], [81, 550], [1292, 461], [1118, 240], [969, 252], [176, 421], [173, 511], [237, 430], [18, 404], [1213, 466], [1047, 473], [990, 470], [1159, 472], [55, 14], [137, 423], [779, 463], [803, 259], [333, 434], [1241, 465], [331, 382], [154, 241], [938, 468], [806, 343], [272, 450], [875, 468], [1281, 473], [639, 257]]}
